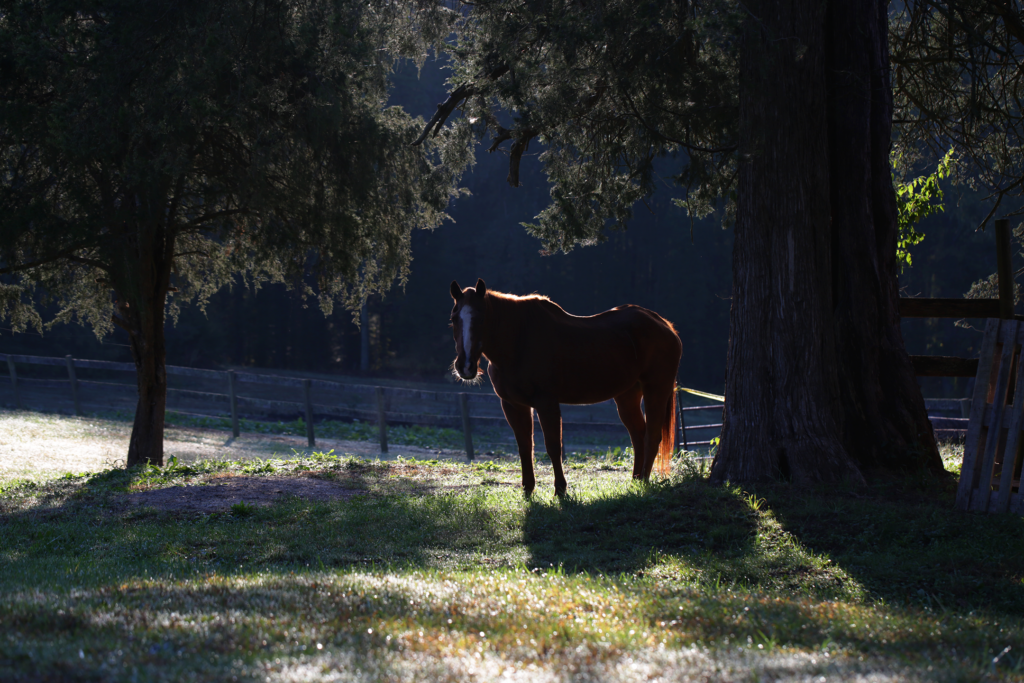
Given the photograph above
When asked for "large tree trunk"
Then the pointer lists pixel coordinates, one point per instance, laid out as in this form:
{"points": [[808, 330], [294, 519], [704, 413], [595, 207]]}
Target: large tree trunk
{"points": [[819, 387], [142, 296], [885, 421]]}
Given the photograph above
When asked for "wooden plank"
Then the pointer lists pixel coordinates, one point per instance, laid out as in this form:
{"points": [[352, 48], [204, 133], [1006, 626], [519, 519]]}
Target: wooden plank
{"points": [[681, 424], [1014, 425], [981, 494], [709, 426], [194, 372], [74, 384], [33, 360], [960, 406], [233, 398], [104, 365], [14, 381], [310, 437], [975, 429], [464, 409], [382, 423], [944, 366], [948, 308], [949, 422], [1004, 269], [275, 380]]}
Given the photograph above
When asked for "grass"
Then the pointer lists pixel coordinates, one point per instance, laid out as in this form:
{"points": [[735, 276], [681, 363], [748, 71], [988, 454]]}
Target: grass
{"points": [[494, 439], [440, 571]]}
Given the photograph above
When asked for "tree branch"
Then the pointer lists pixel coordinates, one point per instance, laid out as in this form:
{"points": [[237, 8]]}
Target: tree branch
{"points": [[66, 253], [516, 154], [216, 214], [444, 110], [455, 98]]}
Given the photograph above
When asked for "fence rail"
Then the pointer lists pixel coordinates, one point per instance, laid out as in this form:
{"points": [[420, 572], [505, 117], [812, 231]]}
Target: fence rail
{"points": [[220, 393], [236, 394]]}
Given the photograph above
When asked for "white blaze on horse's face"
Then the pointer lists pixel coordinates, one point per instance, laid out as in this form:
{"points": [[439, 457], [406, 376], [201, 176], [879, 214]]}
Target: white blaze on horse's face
{"points": [[467, 371]]}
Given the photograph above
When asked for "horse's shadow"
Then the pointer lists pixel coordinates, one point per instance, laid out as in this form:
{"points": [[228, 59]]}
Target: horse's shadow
{"points": [[623, 532]]}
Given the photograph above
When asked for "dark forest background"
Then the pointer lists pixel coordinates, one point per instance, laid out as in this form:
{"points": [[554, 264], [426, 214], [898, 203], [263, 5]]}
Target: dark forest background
{"points": [[654, 264]]}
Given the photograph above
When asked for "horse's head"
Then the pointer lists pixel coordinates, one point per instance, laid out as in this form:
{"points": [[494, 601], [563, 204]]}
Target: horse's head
{"points": [[467, 328]]}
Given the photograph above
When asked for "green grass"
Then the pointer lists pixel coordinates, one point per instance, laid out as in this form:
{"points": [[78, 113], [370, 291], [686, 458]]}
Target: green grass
{"points": [[439, 571]]}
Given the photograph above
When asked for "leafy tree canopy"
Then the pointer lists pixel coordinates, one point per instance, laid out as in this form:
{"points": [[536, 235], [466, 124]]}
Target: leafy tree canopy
{"points": [[958, 80], [149, 148], [609, 87], [239, 136]]}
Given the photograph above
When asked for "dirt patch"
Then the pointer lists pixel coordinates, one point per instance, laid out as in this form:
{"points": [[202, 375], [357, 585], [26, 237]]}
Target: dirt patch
{"points": [[220, 494]]}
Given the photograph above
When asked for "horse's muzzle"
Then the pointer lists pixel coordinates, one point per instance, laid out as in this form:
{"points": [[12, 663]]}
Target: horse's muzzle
{"points": [[466, 370]]}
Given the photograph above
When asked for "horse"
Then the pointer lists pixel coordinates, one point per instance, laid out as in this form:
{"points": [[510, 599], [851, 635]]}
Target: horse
{"points": [[539, 357]]}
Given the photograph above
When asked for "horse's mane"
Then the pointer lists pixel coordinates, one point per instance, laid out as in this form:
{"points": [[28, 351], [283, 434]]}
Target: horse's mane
{"points": [[516, 297]]}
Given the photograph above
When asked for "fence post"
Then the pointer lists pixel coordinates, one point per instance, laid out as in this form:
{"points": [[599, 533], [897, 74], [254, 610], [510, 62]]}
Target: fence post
{"points": [[382, 423], [682, 423], [682, 427], [309, 413], [464, 408], [74, 384], [1004, 269], [14, 382], [234, 404]]}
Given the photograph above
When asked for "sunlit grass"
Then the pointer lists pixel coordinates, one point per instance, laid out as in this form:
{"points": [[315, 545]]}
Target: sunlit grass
{"points": [[441, 571]]}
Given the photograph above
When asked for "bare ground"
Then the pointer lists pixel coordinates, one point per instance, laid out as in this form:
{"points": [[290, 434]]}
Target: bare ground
{"points": [[222, 493], [42, 445]]}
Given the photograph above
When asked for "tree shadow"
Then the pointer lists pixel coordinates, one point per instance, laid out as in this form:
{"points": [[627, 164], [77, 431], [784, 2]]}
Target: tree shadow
{"points": [[143, 564], [902, 540]]}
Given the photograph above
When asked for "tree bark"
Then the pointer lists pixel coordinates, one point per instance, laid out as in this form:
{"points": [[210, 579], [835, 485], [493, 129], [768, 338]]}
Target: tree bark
{"points": [[885, 420], [142, 286], [819, 386]]}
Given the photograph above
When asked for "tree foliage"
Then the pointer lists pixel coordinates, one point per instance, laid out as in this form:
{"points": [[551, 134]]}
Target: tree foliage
{"points": [[958, 80], [251, 133], [159, 148], [917, 199], [608, 87]]}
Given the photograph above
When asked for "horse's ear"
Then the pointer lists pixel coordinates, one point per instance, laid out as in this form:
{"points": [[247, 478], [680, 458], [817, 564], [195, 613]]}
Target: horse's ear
{"points": [[456, 290], [481, 288]]}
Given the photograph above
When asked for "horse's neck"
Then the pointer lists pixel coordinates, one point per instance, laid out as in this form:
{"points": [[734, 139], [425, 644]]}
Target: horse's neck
{"points": [[505, 327]]}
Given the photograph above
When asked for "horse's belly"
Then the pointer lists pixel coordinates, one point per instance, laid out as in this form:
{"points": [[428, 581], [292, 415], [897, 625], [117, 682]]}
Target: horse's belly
{"points": [[593, 385]]}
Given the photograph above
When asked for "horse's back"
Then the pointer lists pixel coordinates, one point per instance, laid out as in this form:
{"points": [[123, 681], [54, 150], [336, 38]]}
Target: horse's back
{"points": [[602, 355]]}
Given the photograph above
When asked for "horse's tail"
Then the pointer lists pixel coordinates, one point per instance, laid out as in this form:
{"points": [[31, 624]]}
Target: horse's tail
{"points": [[663, 461]]}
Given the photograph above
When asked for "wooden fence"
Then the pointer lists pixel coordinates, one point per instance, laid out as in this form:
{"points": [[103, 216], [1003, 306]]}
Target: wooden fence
{"points": [[951, 366], [75, 383], [71, 384]]}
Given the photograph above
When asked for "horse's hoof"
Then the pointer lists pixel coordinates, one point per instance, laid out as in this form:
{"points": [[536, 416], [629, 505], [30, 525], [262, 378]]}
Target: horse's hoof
{"points": [[560, 492]]}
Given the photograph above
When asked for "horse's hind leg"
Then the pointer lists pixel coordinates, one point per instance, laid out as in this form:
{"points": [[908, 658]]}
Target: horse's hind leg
{"points": [[628, 405], [520, 419]]}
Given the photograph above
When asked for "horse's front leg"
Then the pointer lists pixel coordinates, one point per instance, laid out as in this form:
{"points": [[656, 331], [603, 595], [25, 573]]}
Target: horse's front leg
{"points": [[551, 423], [520, 419]]}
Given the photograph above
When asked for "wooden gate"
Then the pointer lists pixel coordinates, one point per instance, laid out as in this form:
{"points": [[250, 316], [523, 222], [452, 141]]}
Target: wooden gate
{"points": [[991, 471]]}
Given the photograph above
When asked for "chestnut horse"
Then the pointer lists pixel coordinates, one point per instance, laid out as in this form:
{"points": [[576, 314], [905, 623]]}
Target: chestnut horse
{"points": [[540, 356]]}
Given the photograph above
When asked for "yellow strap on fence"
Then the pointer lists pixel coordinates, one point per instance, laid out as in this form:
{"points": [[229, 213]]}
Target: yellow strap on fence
{"points": [[713, 397]]}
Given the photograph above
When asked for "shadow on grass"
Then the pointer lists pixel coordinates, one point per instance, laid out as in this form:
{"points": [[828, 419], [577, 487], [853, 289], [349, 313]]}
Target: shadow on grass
{"points": [[411, 524], [903, 541], [88, 573], [900, 541]]}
